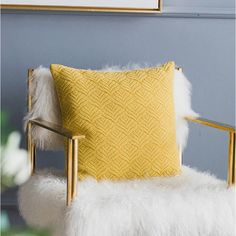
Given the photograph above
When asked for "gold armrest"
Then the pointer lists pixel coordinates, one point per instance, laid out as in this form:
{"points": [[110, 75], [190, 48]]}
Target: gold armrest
{"points": [[231, 179], [72, 152], [56, 129], [213, 124]]}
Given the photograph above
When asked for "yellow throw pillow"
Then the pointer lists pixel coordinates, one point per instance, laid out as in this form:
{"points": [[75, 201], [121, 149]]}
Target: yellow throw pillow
{"points": [[128, 118]]}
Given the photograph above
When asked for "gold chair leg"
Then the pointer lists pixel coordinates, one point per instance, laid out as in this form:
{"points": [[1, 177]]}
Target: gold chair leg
{"points": [[69, 172], [31, 149], [231, 160], [75, 167], [72, 169]]}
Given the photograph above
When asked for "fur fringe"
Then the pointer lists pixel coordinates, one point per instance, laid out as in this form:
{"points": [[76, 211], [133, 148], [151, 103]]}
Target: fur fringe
{"points": [[45, 106]]}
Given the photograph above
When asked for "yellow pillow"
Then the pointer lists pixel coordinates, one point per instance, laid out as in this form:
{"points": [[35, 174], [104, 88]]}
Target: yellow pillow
{"points": [[128, 118]]}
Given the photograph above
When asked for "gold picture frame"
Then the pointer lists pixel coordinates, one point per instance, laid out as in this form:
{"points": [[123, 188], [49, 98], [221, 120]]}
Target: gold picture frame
{"points": [[11, 4]]}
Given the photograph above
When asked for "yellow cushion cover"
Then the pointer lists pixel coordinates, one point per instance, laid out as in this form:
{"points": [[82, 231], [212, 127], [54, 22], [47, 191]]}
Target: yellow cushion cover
{"points": [[128, 118]]}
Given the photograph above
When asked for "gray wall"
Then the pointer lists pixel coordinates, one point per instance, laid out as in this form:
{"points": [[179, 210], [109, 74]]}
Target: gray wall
{"points": [[203, 46]]}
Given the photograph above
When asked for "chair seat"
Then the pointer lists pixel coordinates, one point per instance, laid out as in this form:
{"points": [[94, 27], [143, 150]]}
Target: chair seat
{"points": [[193, 203]]}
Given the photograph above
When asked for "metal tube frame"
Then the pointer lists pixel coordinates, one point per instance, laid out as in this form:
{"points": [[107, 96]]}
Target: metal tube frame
{"points": [[72, 169], [72, 150], [231, 160], [231, 177], [72, 163], [30, 143]]}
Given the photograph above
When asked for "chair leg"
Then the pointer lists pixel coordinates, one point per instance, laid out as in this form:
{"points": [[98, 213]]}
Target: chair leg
{"points": [[69, 172], [31, 149], [231, 160], [72, 169], [75, 143]]}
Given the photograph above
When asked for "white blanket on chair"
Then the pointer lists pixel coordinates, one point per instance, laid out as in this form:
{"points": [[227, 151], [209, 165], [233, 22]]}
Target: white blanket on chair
{"points": [[192, 204]]}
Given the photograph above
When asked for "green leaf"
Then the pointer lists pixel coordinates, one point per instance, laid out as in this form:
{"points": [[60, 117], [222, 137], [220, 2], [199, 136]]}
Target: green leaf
{"points": [[5, 128]]}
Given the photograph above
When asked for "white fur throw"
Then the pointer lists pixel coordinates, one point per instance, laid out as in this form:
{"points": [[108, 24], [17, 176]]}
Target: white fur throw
{"points": [[192, 204], [46, 106]]}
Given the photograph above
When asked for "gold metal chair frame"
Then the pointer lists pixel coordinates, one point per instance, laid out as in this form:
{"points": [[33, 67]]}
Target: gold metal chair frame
{"points": [[73, 143]]}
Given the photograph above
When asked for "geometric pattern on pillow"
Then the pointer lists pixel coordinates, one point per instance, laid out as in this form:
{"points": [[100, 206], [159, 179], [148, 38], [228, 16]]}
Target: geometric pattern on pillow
{"points": [[128, 119]]}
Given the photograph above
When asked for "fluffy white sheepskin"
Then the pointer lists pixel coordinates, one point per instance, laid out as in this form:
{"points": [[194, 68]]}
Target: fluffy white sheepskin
{"points": [[46, 106], [193, 203]]}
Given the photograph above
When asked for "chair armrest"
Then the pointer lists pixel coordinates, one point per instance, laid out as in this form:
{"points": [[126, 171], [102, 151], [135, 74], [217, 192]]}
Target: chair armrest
{"points": [[56, 129], [231, 179], [72, 152], [213, 124]]}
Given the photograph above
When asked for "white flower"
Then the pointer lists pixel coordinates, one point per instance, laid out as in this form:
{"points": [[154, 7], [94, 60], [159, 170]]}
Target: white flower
{"points": [[14, 160]]}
